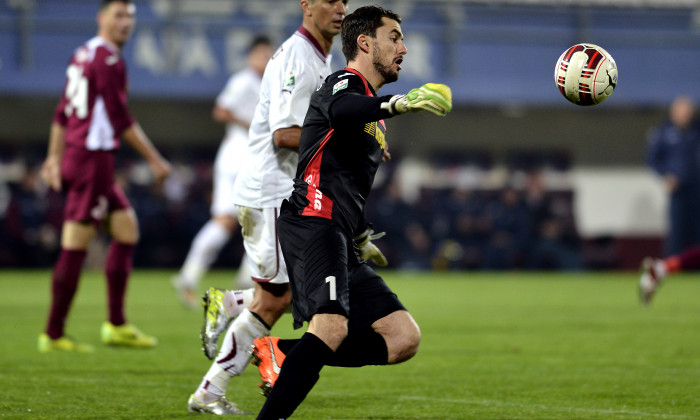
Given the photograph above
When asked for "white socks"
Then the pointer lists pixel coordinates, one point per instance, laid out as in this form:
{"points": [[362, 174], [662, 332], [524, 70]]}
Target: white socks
{"points": [[206, 246], [235, 301], [660, 268], [234, 356]]}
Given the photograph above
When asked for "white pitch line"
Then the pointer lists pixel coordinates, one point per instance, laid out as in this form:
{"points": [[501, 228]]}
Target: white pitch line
{"points": [[545, 408]]}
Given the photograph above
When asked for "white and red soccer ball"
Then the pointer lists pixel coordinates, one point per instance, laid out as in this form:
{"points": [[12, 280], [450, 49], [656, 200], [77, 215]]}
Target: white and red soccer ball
{"points": [[586, 74]]}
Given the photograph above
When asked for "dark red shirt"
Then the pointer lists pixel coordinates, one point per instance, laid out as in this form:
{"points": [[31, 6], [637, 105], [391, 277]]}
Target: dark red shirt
{"points": [[93, 109]]}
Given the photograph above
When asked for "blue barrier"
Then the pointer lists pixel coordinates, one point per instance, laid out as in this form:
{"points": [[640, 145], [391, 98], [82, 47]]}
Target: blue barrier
{"points": [[487, 54]]}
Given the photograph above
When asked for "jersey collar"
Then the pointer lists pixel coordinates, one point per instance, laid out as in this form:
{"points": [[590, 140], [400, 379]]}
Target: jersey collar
{"points": [[369, 91], [304, 33], [98, 40]]}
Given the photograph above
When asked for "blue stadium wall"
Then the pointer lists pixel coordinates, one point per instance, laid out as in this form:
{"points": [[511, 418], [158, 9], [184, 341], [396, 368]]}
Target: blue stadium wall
{"points": [[488, 54]]}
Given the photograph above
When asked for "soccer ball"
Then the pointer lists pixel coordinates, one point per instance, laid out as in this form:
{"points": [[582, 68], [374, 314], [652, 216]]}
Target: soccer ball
{"points": [[586, 74]]}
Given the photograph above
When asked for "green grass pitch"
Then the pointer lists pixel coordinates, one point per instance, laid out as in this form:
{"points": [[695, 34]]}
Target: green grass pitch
{"points": [[495, 346]]}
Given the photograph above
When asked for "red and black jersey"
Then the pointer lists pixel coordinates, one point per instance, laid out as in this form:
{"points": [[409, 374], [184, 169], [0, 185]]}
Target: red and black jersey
{"points": [[341, 147]]}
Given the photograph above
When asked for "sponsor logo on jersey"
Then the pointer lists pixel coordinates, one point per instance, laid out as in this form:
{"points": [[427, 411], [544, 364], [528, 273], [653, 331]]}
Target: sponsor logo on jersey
{"points": [[112, 60], [82, 55], [289, 81], [343, 84]]}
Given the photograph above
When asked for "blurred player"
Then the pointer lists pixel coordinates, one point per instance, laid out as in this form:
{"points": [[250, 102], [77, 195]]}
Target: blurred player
{"points": [[354, 318], [293, 74], [90, 118], [655, 270], [672, 153], [234, 107]]}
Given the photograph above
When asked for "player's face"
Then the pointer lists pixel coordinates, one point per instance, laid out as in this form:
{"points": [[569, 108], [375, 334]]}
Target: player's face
{"points": [[117, 21], [259, 56], [682, 111], [389, 50], [328, 15]]}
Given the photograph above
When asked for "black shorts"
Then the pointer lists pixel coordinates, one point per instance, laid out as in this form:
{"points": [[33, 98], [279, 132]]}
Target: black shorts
{"points": [[327, 275]]}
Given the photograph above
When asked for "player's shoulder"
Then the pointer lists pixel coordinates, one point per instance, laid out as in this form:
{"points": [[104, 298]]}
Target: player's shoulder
{"points": [[301, 47], [345, 79], [244, 77], [100, 52]]}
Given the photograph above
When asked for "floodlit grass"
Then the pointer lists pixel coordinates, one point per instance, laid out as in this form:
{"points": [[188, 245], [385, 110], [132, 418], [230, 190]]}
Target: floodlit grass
{"points": [[495, 346]]}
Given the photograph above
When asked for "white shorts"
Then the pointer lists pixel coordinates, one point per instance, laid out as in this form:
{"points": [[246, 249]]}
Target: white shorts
{"points": [[262, 245], [229, 160]]}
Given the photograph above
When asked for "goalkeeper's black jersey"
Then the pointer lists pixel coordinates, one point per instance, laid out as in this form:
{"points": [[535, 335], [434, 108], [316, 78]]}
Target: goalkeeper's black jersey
{"points": [[341, 147]]}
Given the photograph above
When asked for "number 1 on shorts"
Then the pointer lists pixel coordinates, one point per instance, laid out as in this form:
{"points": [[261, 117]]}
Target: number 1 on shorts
{"points": [[331, 281]]}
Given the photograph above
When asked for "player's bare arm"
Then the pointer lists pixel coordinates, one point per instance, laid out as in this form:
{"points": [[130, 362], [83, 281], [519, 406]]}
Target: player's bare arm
{"points": [[287, 137], [51, 168], [670, 182], [137, 139], [224, 116]]}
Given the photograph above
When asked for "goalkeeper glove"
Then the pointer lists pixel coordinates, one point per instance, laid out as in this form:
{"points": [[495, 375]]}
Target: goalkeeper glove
{"points": [[433, 97], [368, 250]]}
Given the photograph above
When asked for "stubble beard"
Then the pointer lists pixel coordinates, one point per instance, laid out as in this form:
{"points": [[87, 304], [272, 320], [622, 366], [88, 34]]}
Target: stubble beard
{"points": [[385, 71]]}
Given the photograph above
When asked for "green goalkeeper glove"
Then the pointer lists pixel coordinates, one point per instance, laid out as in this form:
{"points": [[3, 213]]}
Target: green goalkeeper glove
{"points": [[432, 97], [368, 250]]}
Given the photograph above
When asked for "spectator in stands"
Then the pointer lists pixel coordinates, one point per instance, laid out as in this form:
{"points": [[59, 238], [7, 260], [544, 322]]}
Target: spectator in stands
{"points": [[389, 210], [470, 225], [674, 154], [510, 232], [554, 239], [29, 227]]}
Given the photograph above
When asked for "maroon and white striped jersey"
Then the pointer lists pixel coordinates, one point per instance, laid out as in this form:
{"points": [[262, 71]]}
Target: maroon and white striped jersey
{"points": [[93, 109]]}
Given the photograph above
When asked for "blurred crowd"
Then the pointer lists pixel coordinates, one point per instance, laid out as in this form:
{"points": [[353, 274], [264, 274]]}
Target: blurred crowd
{"points": [[432, 220], [520, 225]]}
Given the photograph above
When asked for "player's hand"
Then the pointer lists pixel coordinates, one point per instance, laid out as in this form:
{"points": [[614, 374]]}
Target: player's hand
{"points": [[368, 250], [51, 173], [431, 97], [386, 156], [671, 182], [161, 169]]}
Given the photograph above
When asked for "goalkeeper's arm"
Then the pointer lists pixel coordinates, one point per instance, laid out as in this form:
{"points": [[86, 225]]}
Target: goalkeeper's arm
{"points": [[431, 97], [353, 108]]}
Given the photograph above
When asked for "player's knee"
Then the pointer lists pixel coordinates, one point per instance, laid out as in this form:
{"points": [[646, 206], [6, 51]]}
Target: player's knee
{"points": [[404, 345], [402, 336], [124, 227], [228, 222], [329, 327], [412, 341]]}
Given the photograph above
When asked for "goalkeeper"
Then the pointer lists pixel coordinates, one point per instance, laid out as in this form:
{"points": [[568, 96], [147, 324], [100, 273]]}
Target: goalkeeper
{"points": [[354, 318]]}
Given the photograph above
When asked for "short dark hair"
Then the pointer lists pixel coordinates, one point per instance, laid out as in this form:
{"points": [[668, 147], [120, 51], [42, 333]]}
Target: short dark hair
{"points": [[259, 40], [105, 3], [363, 21]]}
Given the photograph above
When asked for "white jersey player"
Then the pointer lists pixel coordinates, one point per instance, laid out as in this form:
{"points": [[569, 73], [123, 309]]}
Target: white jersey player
{"points": [[235, 107], [294, 73]]}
